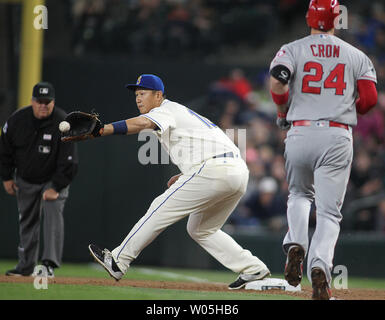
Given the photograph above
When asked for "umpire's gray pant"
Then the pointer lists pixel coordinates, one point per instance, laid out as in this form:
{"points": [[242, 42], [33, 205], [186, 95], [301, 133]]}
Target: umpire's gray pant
{"points": [[31, 208]]}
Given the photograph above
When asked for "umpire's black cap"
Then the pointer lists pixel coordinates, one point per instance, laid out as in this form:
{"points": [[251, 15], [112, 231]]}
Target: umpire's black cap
{"points": [[43, 90]]}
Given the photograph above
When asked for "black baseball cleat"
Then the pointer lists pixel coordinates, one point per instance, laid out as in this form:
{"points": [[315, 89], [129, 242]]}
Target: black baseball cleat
{"points": [[321, 290], [294, 265], [50, 271], [243, 279], [104, 258], [44, 271], [17, 273]]}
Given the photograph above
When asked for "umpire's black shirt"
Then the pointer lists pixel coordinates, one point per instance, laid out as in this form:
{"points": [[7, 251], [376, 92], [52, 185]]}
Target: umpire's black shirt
{"points": [[33, 147]]}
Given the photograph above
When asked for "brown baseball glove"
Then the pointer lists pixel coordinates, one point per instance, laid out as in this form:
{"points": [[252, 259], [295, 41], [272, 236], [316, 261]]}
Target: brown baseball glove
{"points": [[83, 126]]}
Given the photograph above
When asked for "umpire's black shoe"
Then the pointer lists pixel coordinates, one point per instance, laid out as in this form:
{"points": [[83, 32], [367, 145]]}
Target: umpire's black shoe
{"points": [[17, 273], [321, 290], [44, 270], [243, 279], [294, 265], [105, 258]]}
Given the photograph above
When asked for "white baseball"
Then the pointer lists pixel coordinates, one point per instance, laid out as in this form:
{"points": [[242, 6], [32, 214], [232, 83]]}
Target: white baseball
{"points": [[64, 126]]}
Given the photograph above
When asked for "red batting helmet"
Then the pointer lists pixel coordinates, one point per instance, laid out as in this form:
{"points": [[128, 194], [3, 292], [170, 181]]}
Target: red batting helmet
{"points": [[322, 13]]}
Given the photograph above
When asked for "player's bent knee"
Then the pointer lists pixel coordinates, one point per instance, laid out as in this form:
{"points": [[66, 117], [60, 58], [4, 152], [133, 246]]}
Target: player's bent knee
{"points": [[331, 214], [192, 232], [197, 235], [296, 195]]}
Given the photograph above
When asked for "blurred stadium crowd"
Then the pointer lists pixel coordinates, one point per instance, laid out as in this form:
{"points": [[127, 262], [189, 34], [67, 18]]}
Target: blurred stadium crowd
{"points": [[247, 104], [198, 27], [203, 27]]}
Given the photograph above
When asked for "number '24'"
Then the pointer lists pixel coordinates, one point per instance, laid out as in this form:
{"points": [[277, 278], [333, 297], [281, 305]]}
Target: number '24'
{"points": [[335, 80]]}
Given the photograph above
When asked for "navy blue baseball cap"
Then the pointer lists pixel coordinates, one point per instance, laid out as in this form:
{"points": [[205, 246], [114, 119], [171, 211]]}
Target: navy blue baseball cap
{"points": [[43, 90], [148, 81]]}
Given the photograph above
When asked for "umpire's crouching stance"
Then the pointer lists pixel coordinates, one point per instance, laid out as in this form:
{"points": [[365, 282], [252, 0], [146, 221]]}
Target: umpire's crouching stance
{"points": [[38, 168]]}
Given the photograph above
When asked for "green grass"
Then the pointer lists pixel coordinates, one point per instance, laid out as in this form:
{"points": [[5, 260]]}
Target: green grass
{"points": [[26, 291]]}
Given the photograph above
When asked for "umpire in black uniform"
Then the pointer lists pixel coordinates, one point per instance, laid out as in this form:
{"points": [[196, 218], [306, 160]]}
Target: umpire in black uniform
{"points": [[38, 168]]}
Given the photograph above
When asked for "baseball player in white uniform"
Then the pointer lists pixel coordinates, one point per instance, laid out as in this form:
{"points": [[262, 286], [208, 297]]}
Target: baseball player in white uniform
{"points": [[213, 179], [318, 84]]}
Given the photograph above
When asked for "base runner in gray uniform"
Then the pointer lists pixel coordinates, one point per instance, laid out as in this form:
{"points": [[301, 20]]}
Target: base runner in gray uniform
{"points": [[315, 83]]}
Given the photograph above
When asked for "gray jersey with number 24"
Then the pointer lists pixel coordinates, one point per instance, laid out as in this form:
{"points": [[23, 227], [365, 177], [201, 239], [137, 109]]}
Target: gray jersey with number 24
{"points": [[324, 73]]}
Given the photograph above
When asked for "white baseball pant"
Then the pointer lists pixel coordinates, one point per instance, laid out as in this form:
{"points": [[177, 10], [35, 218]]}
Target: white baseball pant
{"points": [[207, 194]]}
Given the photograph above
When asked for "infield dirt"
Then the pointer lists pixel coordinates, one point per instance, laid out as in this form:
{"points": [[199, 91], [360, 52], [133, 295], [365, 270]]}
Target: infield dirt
{"points": [[350, 294]]}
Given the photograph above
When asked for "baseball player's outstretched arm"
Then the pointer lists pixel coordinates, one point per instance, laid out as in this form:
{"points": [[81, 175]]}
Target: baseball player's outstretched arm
{"points": [[132, 126], [85, 126]]}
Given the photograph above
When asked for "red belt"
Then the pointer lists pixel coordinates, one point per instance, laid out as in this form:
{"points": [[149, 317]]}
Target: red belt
{"points": [[307, 123]]}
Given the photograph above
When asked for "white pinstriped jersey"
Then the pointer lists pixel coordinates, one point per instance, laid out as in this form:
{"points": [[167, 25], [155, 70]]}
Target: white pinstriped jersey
{"points": [[188, 137], [323, 85]]}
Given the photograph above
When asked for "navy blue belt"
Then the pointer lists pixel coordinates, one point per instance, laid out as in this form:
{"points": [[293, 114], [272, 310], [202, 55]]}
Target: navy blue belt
{"points": [[225, 155]]}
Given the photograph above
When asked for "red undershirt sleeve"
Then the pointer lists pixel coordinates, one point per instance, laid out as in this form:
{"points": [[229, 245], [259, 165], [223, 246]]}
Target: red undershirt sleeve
{"points": [[368, 96]]}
